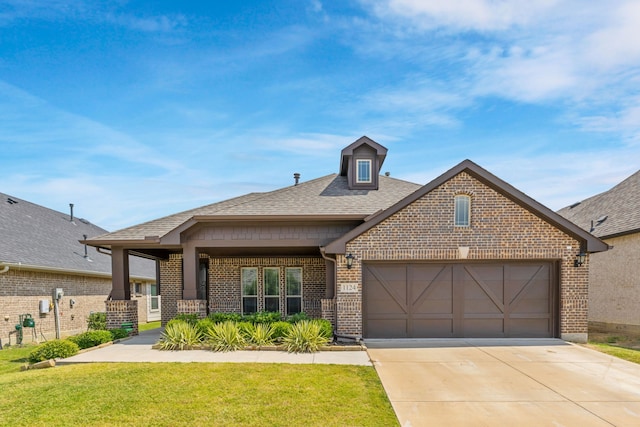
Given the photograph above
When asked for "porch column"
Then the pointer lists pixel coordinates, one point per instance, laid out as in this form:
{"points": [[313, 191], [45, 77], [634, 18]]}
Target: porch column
{"points": [[121, 309], [190, 304], [120, 289], [190, 259]]}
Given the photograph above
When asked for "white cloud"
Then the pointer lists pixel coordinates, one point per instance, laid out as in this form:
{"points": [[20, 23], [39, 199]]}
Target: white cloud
{"points": [[479, 15]]}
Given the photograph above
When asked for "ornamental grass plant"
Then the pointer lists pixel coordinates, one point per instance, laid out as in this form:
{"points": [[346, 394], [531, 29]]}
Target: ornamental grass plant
{"points": [[305, 337], [180, 335]]}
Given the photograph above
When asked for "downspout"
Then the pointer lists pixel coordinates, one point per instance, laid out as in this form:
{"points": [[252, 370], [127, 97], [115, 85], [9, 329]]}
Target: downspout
{"points": [[355, 338]]}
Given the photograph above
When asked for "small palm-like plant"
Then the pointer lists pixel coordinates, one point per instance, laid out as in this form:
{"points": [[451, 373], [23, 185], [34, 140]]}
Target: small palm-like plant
{"points": [[260, 334], [304, 337], [225, 336], [179, 334]]}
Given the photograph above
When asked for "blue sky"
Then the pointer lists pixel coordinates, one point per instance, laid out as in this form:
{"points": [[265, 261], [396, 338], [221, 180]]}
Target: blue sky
{"points": [[133, 110]]}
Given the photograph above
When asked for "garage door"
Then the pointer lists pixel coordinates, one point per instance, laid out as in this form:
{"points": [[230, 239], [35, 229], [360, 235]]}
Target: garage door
{"points": [[459, 300]]}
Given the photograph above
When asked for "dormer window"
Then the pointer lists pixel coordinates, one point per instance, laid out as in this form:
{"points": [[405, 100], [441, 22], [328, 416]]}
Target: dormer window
{"points": [[364, 171], [360, 163]]}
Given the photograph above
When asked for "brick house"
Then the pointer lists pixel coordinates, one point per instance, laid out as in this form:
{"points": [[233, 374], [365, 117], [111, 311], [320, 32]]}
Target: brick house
{"points": [[614, 276], [40, 251], [466, 255]]}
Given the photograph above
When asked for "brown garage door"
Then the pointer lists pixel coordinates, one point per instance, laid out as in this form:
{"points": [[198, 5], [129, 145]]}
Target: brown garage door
{"points": [[459, 300]]}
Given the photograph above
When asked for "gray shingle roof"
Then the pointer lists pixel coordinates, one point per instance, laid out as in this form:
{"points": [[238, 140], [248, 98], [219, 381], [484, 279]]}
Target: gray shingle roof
{"points": [[37, 236], [325, 196], [614, 212]]}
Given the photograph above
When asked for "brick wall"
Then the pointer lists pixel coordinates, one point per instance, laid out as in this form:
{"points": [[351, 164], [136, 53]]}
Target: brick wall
{"points": [[21, 292], [122, 311], [500, 230], [614, 286], [224, 282]]}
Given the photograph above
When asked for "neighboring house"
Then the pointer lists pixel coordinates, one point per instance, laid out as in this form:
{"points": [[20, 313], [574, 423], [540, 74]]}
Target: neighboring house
{"points": [[466, 255], [614, 276], [40, 251]]}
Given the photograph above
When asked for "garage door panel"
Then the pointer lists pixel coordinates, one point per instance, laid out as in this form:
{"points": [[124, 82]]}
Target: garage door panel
{"points": [[530, 328], [387, 328], [463, 300], [484, 328], [434, 328]]}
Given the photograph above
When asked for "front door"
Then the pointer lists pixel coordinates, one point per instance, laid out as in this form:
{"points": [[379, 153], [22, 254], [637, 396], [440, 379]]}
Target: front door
{"points": [[153, 303]]}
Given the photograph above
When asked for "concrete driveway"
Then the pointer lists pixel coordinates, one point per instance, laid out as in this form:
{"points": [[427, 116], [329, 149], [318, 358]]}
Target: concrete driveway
{"points": [[489, 382]]}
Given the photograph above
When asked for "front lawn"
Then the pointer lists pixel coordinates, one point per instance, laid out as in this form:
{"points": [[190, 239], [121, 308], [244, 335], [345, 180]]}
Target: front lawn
{"points": [[632, 355], [12, 358], [187, 394]]}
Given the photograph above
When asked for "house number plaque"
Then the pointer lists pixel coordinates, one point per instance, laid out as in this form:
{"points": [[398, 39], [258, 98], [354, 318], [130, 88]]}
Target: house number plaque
{"points": [[349, 287]]}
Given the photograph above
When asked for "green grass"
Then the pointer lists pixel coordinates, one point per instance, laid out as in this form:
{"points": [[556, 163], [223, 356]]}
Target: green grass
{"points": [[185, 394], [148, 326], [12, 358], [629, 354]]}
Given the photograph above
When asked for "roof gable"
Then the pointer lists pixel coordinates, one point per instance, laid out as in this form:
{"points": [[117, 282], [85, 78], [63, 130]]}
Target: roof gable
{"points": [[590, 242], [615, 212]]}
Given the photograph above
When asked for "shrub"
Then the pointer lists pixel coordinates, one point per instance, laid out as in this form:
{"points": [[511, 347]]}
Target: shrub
{"points": [[179, 334], [305, 336], [191, 318], [52, 350], [280, 329], [97, 322], [204, 324], [260, 333], [326, 329], [91, 338], [225, 336], [295, 318], [263, 317], [218, 317], [118, 333]]}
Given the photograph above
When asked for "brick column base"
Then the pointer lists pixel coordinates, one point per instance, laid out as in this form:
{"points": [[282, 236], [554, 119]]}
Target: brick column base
{"points": [[329, 311], [190, 306], [120, 311]]}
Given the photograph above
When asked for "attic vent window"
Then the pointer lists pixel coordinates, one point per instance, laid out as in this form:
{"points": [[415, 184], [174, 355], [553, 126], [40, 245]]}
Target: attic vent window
{"points": [[363, 168]]}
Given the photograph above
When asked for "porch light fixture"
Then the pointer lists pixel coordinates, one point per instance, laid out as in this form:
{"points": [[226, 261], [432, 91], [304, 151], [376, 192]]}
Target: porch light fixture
{"points": [[580, 259], [350, 259]]}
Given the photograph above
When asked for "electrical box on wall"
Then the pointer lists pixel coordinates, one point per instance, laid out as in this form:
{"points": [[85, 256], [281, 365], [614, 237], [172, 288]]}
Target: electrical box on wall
{"points": [[58, 293], [44, 306]]}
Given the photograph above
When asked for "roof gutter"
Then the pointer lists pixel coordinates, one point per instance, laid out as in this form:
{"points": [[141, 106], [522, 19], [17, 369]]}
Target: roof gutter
{"points": [[29, 267]]}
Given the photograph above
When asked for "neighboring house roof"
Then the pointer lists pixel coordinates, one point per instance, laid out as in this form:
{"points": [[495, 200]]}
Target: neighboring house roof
{"points": [[591, 243], [37, 237], [613, 213], [327, 197]]}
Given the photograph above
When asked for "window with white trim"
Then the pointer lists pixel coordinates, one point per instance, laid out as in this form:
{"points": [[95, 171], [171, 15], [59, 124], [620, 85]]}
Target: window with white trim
{"points": [[271, 276], [249, 285], [462, 210], [363, 171], [293, 287]]}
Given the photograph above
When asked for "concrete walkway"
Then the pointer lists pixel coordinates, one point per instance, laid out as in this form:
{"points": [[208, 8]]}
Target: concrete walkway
{"points": [[138, 349], [489, 382]]}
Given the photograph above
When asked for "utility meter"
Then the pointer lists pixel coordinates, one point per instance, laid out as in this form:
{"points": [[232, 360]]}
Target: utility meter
{"points": [[58, 293]]}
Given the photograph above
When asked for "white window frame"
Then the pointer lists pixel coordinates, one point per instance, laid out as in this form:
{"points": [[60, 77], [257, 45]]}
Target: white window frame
{"points": [[369, 167], [242, 282], [462, 218], [287, 294], [264, 287]]}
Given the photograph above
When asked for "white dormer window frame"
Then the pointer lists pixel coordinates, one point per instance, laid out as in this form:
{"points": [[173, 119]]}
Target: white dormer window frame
{"points": [[363, 171]]}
